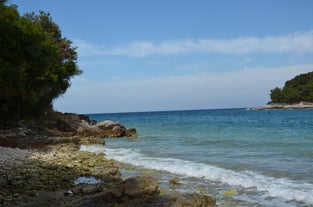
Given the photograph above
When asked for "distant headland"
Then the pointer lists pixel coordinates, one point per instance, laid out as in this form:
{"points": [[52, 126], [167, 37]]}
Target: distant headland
{"points": [[297, 93]]}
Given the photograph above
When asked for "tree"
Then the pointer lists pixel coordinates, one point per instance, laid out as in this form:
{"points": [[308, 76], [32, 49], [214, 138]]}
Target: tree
{"points": [[298, 89], [61, 61], [277, 95], [36, 63]]}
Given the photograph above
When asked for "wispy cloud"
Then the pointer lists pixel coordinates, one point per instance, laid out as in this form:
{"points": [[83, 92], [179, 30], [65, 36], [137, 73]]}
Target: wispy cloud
{"points": [[296, 42], [241, 88]]}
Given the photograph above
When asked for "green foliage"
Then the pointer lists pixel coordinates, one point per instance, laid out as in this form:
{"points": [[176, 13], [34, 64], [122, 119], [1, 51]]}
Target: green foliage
{"points": [[295, 90], [36, 63], [277, 95]]}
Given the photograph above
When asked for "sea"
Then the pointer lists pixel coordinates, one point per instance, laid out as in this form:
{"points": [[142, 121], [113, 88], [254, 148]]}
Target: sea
{"points": [[239, 157]]}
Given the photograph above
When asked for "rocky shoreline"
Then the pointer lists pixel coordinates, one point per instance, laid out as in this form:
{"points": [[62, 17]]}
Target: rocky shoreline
{"points": [[52, 171], [301, 105], [61, 128]]}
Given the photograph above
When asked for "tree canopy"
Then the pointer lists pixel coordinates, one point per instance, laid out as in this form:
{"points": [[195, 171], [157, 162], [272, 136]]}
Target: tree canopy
{"points": [[295, 90], [36, 63]]}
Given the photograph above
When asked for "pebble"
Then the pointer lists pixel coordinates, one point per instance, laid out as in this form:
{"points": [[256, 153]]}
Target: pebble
{"points": [[69, 193]]}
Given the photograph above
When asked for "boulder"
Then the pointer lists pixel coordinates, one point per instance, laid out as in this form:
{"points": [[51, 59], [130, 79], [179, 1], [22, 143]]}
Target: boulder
{"points": [[194, 200], [138, 187], [102, 130], [69, 124], [174, 181], [131, 132], [111, 129], [126, 193]]}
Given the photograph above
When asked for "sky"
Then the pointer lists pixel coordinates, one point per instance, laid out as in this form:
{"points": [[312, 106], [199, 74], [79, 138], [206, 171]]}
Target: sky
{"points": [[161, 55]]}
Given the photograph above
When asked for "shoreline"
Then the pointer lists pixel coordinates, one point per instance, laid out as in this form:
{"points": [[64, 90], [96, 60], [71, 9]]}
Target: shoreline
{"points": [[45, 176], [301, 105]]}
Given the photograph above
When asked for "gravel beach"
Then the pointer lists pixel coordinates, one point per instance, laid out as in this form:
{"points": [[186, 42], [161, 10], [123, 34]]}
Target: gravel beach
{"points": [[46, 177], [12, 157]]}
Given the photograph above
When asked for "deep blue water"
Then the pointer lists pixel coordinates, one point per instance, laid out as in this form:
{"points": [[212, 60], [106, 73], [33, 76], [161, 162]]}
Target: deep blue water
{"points": [[267, 156]]}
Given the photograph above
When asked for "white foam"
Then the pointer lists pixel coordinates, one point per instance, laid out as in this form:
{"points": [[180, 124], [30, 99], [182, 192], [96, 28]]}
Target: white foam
{"points": [[282, 188], [86, 180]]}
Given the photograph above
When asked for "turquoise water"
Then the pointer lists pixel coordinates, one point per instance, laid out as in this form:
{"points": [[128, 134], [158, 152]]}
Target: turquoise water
{"points": [[267, 156]]}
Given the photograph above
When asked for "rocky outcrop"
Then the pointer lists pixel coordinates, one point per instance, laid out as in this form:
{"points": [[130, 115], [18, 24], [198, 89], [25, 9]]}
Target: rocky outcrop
{"points": [[81, 126], [131, 132], [101, 130], [300, 105], [69, 124], [61, 128]]}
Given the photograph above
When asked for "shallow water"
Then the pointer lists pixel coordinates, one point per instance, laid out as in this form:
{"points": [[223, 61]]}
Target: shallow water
{"points": [[267, 156]]}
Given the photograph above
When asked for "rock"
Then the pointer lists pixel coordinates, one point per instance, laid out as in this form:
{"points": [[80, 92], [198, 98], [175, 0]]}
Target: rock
{"points": [[193, 200], [84, 117], [91, 140], [69, 193], [230, 192], [136, 191], [140, 187], [111, 129], [131, 132], [60, 128], [174, 181], [65, 126], [102, 130], [171, 200], [90, 189], [111, 195]]}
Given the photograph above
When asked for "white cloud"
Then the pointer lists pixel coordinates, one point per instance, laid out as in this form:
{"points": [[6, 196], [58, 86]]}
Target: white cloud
{"points": [[296, 42], [242, 88]]}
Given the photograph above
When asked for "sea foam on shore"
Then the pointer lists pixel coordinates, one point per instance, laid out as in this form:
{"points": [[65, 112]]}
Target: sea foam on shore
{"points": [[246, 182]]}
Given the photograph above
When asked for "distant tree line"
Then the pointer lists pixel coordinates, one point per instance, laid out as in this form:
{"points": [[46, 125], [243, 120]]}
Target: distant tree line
{"points": [[295, 90], [36, 63]]}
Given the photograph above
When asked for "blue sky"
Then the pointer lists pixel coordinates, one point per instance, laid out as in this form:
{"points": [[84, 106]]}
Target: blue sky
{"points": [[157, 55]]}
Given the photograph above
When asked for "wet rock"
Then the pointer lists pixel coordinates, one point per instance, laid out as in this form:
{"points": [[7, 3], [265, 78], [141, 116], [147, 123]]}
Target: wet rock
{"points": [[230, 192], [131, 132], [174, 181]]}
